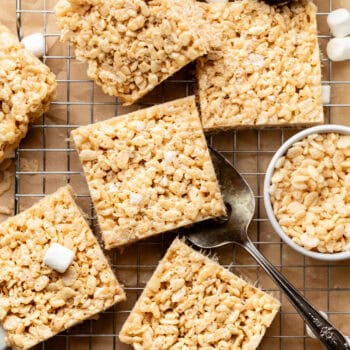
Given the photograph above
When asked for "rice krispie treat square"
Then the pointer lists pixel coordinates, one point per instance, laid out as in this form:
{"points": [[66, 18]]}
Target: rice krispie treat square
{"points": [[35, 301], [26, 89], [264, 68], [131, 46], [149, 172], [191, 302]]}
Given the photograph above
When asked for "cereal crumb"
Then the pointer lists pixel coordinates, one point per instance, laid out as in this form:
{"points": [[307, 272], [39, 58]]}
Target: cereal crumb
{"points": [[5, 210]]}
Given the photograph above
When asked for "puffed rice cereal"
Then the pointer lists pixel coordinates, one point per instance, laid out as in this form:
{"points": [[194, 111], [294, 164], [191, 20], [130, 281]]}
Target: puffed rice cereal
{"points": [[310, 192], [26, 89], [36, 302], [191, 302], [264, 66], [149, 172], [131, 46]]}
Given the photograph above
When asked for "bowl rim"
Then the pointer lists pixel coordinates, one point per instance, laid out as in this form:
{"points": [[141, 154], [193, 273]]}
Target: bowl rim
{"points": [[325, 128]]}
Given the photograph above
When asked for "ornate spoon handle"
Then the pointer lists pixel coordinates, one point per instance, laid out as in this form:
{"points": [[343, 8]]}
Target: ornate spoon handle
{"points": [[328, 335]]}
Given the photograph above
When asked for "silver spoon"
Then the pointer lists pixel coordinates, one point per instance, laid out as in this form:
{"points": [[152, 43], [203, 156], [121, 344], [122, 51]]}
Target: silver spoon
{"points": [[240, 203]]}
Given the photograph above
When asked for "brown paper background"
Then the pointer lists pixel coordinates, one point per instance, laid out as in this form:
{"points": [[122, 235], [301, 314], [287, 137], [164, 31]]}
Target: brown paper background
{"points": [[46, 160]]}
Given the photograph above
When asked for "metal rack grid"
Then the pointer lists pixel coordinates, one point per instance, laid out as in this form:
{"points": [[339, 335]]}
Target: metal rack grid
{"points": [[46, 159]]}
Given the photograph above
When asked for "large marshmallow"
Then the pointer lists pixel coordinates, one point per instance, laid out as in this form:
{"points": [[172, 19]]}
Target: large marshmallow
{"points": [[58, 257], [339, 22], [326, 94], [338, 49], [309, 331], [35, 43]]}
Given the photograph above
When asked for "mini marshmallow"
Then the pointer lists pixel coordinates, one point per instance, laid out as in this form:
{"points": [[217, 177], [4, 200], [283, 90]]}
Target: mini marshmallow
{"points": [[135, 198], [338, 49], [58, 257], [339, 22], [35, 43], [113, 188], [170, 156], [309, 331], [326, 94]]}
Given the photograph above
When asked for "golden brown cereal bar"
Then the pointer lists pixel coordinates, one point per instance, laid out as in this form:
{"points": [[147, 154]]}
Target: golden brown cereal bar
{"points": [[131, 46], [149, 172], [26, 89], [35, 301], [264, 67], [191, 302]]}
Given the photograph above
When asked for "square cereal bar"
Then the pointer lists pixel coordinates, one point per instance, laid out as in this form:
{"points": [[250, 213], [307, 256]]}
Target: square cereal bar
{"points": [[149, 172], [35, 301], [264, 68], [26, 89], [191, 302], [131, 46]]}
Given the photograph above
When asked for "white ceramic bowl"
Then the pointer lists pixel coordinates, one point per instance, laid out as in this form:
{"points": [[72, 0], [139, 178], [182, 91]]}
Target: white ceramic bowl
{"points": [[340, 129]]}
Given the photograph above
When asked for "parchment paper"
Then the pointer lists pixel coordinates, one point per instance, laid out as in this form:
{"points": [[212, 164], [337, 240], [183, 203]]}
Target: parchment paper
{"points": [[79, 102]]}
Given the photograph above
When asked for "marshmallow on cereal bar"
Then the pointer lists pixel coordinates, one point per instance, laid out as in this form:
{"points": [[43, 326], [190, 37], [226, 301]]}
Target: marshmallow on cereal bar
{"points": [[264, 66], [131, 46], [149, 172], [26, 89], [36, 302], [58, 257], [191, 302]]}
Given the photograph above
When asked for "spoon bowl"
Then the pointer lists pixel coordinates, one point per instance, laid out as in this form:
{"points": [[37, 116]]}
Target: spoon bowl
{"points": [[240, 207]]}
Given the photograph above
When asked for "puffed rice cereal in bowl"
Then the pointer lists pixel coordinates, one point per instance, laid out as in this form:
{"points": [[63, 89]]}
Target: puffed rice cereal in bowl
{"points": [[307, 192]]}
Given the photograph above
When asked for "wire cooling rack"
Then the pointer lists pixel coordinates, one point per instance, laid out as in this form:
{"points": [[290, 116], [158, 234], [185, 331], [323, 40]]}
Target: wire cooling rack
{"points": [[46, 160]]}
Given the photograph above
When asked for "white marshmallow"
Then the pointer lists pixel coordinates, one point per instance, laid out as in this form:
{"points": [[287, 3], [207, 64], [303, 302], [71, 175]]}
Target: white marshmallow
{"points": [[164, 181], [35, 43], [326, 94], [339, 22], [58, 257], [216, 1], [309, 331], [3, 344], [170, 156], [338, 49], [113, 188], [135, 198]]}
